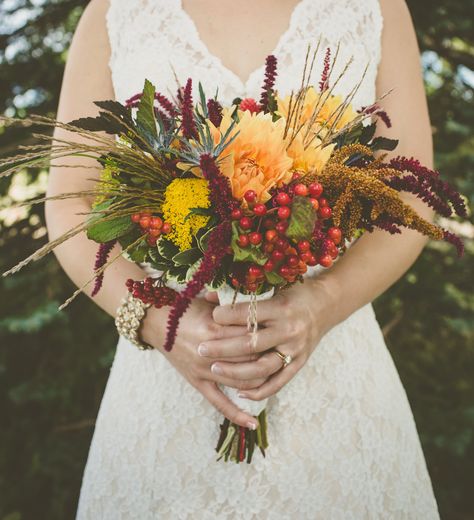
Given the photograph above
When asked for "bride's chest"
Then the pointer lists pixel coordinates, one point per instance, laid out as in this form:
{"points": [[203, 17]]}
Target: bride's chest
{"points": [[158, 40]]}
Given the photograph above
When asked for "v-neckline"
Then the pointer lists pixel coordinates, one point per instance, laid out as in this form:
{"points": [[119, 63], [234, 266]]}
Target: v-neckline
{"points": [[243, 83]]}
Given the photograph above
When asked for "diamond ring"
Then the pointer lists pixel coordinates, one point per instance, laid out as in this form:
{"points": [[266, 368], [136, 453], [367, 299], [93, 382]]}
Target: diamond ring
{"points": [[286, 358]]}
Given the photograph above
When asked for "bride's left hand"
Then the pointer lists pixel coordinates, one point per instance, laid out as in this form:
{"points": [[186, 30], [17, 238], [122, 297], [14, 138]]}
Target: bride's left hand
{"points": [[293, 322]]}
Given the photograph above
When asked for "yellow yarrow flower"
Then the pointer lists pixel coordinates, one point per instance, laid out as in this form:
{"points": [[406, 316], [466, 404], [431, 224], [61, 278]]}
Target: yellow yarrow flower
{"points": [[107, 177], [180, 196]]}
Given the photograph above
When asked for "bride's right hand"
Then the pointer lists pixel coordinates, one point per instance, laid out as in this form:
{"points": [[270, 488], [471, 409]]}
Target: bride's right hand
{"points": [[197, 326]]}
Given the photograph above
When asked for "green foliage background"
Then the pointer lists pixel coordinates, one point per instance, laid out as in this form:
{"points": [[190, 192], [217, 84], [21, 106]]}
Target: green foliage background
{"points": [[53, 366]]}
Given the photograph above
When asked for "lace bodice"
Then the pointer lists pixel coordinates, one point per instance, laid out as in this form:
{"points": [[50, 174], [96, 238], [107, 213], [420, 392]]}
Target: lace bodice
{"points": [[151, 37], [343, 443]]}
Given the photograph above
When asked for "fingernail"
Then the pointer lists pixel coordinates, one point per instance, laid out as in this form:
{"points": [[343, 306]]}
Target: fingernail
{"points": [[252, 425], [242, 395], [216, 369], [202, 350]]}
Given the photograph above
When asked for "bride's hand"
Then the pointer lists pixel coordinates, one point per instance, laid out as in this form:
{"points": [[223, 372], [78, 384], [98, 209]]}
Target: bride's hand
{"points": [[294, 322], [197, 326]]}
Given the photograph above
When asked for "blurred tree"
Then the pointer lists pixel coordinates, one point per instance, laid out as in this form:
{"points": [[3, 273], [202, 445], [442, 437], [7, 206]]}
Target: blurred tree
{"points": [[53, 366]]}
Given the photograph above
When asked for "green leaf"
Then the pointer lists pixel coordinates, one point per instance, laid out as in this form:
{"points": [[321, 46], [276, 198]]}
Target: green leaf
{"points": [[177, 273], [202, 241], [367, 133], [205, 212], [217, 281], [167, 249], [302, 219], [249, 254], [188, 257], [383, 143], [106, 230], [146, 112], [105, 122], [274, 278]]}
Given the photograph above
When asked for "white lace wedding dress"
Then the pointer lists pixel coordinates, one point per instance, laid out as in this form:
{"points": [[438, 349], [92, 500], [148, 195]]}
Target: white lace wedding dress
{"points": [[347, 445]]}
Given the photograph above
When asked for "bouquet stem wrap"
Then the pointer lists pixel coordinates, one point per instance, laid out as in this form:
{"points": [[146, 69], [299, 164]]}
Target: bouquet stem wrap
{"points": [[235, 442]]}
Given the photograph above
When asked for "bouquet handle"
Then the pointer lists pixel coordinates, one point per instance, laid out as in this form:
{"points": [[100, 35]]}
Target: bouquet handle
{"points": [[235, 442]]}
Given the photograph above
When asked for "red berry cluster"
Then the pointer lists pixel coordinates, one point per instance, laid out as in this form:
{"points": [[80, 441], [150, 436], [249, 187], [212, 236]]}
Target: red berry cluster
{"points": [[266, 228], [148, 292], [152, 225]]}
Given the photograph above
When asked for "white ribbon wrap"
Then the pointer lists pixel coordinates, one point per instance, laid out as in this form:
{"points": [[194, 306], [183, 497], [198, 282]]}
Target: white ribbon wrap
{"points": [[226, 297]]}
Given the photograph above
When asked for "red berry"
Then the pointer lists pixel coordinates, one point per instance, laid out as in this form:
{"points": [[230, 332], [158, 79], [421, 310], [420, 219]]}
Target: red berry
{"points": [[284, 271], [281, 227], [335, 234], [327, 244], [323, 202], [281, 244], [301, 190], [252, 287], [312, 261], [315, 189], [325, 212], [235, 282], [145, 222], [166, 228], [243, 240], [270, 235], [151, 240], [154, 232], [259, 210], [306, 257], [326, 261], [284, 212], [296, 176], [250, 196], [283, 199], [269, 223], [255, 271], [236, 214], [245, 223], [269, 266], [268, 248], [255, 238], [156, 222], [136, 218], [249, 104], [314, 203], [333, 252], [278, 256], [303, 246], [292, 261]]}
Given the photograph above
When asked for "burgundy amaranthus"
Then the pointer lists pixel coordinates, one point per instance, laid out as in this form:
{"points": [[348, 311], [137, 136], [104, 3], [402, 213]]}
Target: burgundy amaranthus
{"points": [[269, 83], [187, 112], [217, 246], [214, 110], [100, 260], [219, 187], [378, 111], [165, 103], [324, 82], [428, 185]]}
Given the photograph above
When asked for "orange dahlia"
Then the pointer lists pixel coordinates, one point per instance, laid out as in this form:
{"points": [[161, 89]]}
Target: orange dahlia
{"points": [[257, 158]]}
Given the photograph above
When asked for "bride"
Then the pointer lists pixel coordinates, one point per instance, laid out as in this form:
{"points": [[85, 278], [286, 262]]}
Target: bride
{"points": [[343, 442]]}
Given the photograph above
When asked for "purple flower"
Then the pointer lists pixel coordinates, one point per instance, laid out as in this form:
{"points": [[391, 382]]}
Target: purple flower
{"points": [[214, 110], [187, 112], [100, 260], [269, 82], [216, 249], [324, 82]]}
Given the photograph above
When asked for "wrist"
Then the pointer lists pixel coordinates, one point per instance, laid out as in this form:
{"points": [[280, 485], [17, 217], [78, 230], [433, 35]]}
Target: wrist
{"points": [[152, 325], [326, 313]]}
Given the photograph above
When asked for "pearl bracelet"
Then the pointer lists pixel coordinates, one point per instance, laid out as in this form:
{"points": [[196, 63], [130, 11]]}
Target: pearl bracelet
{"points": [[129, 318]]}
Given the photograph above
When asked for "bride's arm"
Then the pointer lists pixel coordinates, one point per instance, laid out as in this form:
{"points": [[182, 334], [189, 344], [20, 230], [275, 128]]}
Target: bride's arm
{"points": [[86, 79], [372, 264]]}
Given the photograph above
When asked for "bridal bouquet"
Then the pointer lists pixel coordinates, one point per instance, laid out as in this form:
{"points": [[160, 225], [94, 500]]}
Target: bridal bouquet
{"points": [[241, 199]]}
